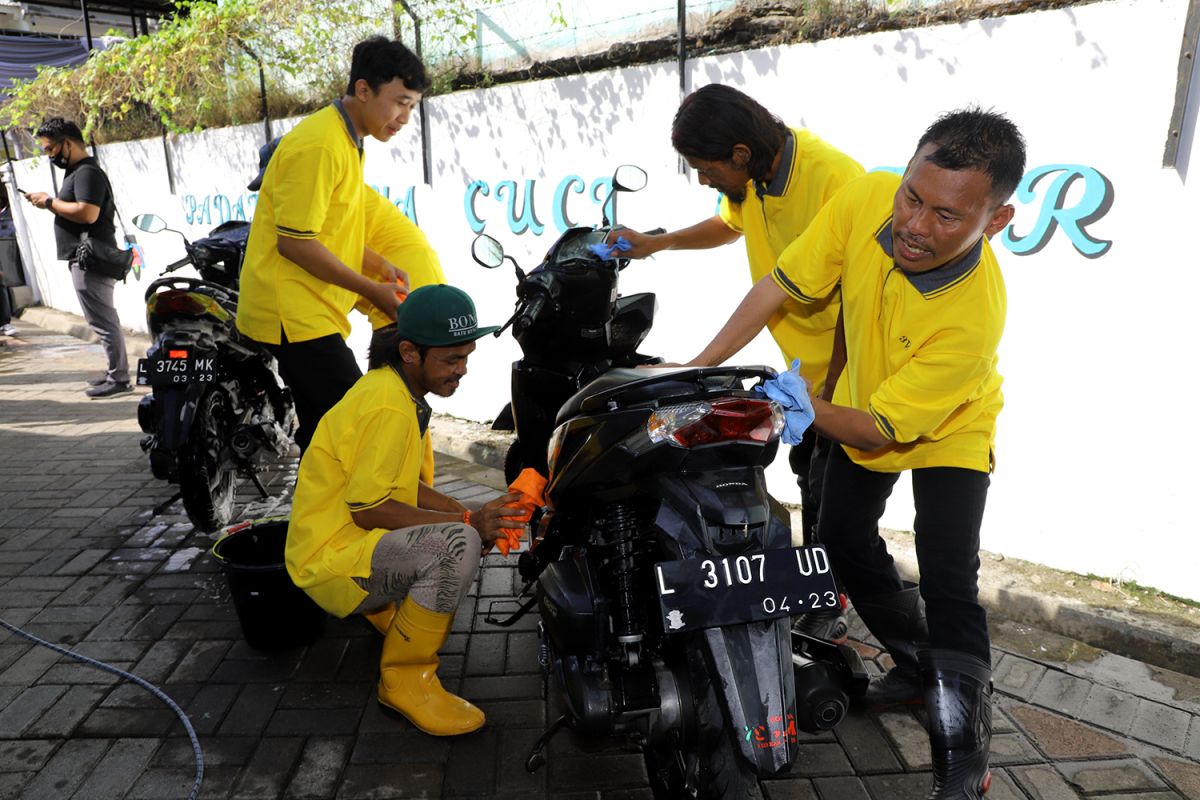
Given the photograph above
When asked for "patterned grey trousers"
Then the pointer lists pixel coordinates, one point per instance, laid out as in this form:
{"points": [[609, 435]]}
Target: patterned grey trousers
{"points": [[434, 564]]}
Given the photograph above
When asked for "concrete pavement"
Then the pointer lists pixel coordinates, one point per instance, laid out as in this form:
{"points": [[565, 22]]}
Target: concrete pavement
{"points": [[85, 563]]}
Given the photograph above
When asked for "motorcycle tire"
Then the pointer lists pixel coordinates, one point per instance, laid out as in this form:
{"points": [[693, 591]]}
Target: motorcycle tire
{"points": [[718, 771], [206, 487]]}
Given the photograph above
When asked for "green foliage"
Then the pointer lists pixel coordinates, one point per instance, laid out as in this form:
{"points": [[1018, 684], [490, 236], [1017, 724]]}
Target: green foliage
{"points": [[201, 70], [448, 36]]}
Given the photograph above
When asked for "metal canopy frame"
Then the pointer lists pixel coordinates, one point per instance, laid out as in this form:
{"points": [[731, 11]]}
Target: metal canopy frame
{"points": [[138, 12], [151, 8]]}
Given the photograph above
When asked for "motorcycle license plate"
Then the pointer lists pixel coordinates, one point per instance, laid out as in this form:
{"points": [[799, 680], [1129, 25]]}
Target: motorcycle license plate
{"points": [[711, 591], [177, 368]]}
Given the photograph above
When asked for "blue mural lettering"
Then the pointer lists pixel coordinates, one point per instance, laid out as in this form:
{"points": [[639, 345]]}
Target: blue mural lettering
{"points": [[599, 192], [528, 220], [1053, 214], [571, 183], [473, 219], [609, 200], [215, 209], [197, 211], [224, 208]]}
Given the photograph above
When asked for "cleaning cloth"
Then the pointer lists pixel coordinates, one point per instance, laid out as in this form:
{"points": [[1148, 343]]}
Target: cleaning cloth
{"points": [[791, 392], [606, 251]]}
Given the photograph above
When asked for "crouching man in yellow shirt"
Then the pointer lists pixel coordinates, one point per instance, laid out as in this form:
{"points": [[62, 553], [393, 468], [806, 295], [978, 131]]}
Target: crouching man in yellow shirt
{"points": [[923, 305], [367, 536]]}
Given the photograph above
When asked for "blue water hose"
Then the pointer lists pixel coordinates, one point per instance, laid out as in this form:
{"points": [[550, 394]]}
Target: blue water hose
{"points": [[154, 690]]}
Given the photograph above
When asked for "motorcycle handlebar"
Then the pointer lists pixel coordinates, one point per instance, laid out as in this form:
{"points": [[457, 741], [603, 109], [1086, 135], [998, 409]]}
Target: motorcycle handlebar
{"points": [[529, 316], [174, 265]]}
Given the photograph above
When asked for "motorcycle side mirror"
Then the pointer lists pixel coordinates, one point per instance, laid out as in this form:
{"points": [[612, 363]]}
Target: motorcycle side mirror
{"points": [[150, 223], [629, 178], [487, 252]]}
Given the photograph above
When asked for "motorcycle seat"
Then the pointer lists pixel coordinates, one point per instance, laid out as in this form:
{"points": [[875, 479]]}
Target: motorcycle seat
{"points": [[632, 385]]}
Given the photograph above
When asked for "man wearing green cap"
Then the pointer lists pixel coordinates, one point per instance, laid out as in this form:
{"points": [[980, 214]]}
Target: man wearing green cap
{"points": [[367, 536]]}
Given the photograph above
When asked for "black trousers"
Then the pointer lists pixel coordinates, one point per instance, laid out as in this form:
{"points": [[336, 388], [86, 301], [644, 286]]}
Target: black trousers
{"points": [[807, 461], [949, 504], [319, 372]]}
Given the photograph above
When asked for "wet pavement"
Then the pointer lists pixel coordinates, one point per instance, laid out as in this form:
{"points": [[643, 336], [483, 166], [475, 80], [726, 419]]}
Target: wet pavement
{"points": [[85, 563]]}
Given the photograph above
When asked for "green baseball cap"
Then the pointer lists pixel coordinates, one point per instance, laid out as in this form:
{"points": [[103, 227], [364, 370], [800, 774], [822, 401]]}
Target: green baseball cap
{"points": [[439, 315]]}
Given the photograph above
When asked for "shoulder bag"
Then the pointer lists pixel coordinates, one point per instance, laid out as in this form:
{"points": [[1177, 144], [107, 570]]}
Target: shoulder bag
{"points": [[102, 258]]}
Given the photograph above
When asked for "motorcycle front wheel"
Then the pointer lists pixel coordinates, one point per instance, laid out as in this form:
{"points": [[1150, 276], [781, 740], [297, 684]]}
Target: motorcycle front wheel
{"points": [[207, 488], [706, 766]]}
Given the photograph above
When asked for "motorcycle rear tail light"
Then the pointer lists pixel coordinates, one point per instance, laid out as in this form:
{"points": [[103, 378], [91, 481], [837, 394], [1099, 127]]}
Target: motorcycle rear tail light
{"points": [[176, 301], [729, 420]]}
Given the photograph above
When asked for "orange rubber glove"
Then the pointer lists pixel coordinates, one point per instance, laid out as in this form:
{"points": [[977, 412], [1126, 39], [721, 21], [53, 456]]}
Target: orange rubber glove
{"points": [[529, 484]]}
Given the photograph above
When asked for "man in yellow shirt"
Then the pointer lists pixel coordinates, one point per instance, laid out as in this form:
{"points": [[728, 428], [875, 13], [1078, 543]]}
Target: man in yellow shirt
{"points": [[773, 180], [307, 260], [368, 536], [923, 308]]}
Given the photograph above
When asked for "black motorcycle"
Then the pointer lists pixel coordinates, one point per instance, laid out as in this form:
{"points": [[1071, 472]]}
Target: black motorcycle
{"points": [[662, 569], [218, 404]]}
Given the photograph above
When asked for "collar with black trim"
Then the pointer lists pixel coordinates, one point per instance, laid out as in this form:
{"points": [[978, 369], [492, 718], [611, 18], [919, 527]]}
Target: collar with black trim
{"points": [[424, 411], [779, 182], [938, 280], [353, 134]]}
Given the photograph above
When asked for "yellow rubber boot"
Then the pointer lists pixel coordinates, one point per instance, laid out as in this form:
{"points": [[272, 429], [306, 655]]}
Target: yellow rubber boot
{"points": [[381, 618], [408, 681]]}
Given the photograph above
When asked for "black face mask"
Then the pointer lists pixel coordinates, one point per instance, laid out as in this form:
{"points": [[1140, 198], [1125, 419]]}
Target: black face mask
{"points": [[61, 161]]}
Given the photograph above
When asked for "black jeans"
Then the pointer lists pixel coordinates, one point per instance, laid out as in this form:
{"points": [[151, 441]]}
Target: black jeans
{"points": [[807, 461], [949, 504], [6, 305], [319, 372]]}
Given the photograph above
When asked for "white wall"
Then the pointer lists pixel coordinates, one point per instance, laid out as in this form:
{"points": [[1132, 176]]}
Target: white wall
{"points": [[1097, 334]]}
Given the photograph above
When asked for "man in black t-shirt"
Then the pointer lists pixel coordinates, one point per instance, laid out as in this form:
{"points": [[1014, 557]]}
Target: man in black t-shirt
{"points": [[6, 234], [85, 205]]}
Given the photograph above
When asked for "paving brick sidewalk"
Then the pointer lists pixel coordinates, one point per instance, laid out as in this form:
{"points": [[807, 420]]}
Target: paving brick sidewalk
{"points": [[84, 563]]}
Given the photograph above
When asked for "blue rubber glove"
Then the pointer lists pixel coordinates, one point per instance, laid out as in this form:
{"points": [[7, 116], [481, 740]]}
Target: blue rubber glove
{"points": [[606, 251], [791, 392]]}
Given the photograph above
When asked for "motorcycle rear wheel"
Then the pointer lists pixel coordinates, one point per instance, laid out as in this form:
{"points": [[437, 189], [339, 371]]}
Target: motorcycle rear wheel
{"points": [[712, 762], [207, 489]]}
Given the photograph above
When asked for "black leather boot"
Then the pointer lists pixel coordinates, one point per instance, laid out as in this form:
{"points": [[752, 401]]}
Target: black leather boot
{"points": [[829, 625], [897, 620], [958, 697]]}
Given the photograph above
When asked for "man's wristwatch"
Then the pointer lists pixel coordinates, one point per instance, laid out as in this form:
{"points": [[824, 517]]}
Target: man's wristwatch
{"points": [[47, 205]]}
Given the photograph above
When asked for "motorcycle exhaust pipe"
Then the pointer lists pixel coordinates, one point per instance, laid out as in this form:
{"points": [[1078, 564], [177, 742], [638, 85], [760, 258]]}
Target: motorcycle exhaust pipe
{"points": [[147, 414], [820, 701]]}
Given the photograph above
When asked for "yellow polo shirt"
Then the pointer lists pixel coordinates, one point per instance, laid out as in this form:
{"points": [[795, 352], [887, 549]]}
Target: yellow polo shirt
{"points": [[921, 347], [313, 189], [367, 449], [398, 239], [771, 217]]}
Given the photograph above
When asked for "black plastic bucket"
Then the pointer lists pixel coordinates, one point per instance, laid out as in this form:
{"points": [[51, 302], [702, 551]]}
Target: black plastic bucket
{"points": [[274, 613]]}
